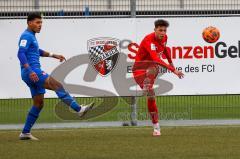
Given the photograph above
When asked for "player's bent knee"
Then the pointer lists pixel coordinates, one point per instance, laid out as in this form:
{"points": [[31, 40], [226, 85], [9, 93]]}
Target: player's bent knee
{"points": [[145, 93], [58, 86], [151, 97], [54, 84], [151, 93], [152, 72]]}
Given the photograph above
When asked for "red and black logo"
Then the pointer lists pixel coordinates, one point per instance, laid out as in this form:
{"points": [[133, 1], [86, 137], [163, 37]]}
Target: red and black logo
{"points": [[103, 54]]}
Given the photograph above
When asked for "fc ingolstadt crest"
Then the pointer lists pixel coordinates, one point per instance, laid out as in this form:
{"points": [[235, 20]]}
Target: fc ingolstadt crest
{"points": [[103, 54]]}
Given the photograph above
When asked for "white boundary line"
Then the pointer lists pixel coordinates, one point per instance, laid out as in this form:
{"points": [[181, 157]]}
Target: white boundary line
{"points": [[120, 123]]}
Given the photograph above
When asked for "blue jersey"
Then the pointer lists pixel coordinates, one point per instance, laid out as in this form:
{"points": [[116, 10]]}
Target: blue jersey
{"points": [[28, 44], [29, 53]]}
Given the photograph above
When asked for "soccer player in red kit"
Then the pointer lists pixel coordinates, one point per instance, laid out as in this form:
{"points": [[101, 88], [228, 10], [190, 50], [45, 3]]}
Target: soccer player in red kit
{"points": [[146, 66]]}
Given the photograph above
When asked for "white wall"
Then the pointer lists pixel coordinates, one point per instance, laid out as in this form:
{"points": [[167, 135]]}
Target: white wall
{"points": [[69, 37]]}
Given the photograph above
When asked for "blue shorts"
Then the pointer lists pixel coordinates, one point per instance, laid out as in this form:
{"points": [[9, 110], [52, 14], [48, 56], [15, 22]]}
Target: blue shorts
{"points": [[36, 88]]}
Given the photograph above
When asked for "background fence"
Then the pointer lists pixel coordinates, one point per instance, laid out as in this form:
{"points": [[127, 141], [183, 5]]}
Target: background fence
{"points": [[118, 8], [119, 108]]}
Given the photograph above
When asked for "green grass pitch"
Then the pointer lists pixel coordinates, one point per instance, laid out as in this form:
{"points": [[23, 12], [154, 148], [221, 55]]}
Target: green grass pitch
{"points": [[120, 143]]}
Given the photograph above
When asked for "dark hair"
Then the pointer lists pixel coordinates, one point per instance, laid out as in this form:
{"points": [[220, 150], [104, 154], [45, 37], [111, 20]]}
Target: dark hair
{"points": [[161, 22], [33, 16]]}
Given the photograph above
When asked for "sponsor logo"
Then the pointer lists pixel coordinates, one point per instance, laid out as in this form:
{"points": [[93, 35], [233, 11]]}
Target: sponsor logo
{"points": [[220, 50]]}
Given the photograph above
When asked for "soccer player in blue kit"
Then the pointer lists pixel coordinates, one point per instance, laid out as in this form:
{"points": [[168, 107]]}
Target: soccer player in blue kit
{"points": [[36, 79]]}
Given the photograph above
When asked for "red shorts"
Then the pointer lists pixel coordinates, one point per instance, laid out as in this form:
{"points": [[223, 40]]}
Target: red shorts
{"points": [[145, 78]]}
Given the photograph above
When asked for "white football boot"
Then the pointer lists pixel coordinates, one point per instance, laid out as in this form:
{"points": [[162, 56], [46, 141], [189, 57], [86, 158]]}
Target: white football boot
{"points": [[27, 136], [84, 109], [156, 130]]}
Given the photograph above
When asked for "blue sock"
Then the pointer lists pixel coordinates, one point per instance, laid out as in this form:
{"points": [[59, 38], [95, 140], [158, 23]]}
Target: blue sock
{"points": [[31, 119], [67, 99]]}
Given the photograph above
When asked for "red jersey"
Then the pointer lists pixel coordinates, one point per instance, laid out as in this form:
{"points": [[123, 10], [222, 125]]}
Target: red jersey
{"points": [[152, 49]]}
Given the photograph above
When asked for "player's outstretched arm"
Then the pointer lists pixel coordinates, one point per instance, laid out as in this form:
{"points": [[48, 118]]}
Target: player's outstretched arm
{"points": [[170, 66], [152, 51], [167, 54], [176, 72], [48, 54], [156, 59], [179, 74]]}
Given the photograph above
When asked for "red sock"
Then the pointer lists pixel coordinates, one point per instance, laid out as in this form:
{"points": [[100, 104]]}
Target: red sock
{"points": [[152, 108]]}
